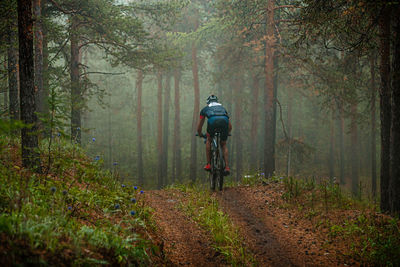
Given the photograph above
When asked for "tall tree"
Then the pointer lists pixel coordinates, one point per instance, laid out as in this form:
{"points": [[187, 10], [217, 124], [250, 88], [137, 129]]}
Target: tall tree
{"points": [[254, 122], [41, 98], [395, 129], [196, 112], [238, 125], [139, 88], [177, 167], [159, 130], [29, 134], [354, 148], [76, 100], [385, 105], [13, 69], [331, 161], [269, 91], [167, 100], [373, 124]]}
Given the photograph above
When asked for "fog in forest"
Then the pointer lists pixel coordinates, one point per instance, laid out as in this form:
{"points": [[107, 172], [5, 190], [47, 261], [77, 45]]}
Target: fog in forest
{"points": [[127, 80]]}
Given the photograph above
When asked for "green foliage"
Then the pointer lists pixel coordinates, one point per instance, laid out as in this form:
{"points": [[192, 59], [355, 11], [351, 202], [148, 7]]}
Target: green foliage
{"points": [[376, 239], [204, 209], [74, 208], [373, 238]]}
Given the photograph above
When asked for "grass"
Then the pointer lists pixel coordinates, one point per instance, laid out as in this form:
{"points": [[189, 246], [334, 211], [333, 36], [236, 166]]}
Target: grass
{"points": [[203, 208], [74, 214], [370, 237]]}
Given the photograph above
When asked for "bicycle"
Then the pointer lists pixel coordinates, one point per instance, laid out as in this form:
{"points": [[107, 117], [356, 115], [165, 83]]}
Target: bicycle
{"points": [[217, 172]]}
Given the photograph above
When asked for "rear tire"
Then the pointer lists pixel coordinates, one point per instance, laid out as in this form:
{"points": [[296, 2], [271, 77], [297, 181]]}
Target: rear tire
{"points": [[221, 170], [213, 174]]}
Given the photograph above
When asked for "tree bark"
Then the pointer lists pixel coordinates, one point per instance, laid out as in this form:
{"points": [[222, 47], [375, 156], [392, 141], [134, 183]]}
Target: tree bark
{"points": [[269, 93], [354, 149], [29, 135], [139, 87], [331, 161], [159, 130], [385, 106], [40, 93], [341, 144], [13, 72], [373, 126], [238, 125], [167, 100], [290, 131], [177, 128], [395, 128], [76, 94], [196, 114], [254, 124]]}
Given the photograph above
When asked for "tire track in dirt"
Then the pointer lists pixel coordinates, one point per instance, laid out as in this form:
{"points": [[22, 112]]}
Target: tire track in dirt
{"points": [[183, 242], [257, 235]]}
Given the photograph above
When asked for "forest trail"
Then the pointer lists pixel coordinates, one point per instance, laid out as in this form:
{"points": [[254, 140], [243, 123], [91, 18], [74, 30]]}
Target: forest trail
{"points": [[183, 242], [273, 235]]}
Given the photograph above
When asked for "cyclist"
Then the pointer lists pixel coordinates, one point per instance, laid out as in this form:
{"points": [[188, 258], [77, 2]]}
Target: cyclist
{"points": [[217, 118]]}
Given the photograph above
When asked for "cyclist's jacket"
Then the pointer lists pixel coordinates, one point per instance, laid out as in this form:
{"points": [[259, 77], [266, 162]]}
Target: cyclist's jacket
{"points": [[213, 109]]}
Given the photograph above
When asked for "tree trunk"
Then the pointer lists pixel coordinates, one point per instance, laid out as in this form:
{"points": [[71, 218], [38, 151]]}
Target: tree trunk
{"points": [[159, 131], [139, 87], [167, 100], [341, 144], [110, 137], [385, 106], [373, 126], [269, 93], [76, 94], [29, 135], [354, 149], [177, 129], [290, 131], [238, 125], [41, 99], [196, 114], [395, 129], [13, 72], [254, 124], [231, 109], [331, 161]]}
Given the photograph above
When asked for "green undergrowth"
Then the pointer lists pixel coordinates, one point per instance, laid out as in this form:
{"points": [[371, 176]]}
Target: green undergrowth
{"points": [[371, 238], [203, 208], [74, 213]]}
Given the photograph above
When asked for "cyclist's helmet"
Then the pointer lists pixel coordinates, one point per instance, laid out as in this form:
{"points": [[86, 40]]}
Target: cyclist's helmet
{"points": [[212, 98]]}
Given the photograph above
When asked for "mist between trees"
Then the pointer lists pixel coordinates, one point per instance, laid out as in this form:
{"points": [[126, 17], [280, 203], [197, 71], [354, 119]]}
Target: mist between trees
{"points": [[303, 82]]}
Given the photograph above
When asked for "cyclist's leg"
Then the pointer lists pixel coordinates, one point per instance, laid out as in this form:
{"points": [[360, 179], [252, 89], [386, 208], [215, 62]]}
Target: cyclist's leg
{"points": [[223, 124], [225, 153], [210, 131], [208, 149]]}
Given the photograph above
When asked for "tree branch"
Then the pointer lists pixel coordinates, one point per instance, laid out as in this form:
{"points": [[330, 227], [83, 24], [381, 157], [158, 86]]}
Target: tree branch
{"points": [[286, 6], [105, 73], [60, 8]]}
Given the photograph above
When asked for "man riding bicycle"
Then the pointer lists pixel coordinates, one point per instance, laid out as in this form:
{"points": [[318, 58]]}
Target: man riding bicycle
{"points": [[217, 119]]}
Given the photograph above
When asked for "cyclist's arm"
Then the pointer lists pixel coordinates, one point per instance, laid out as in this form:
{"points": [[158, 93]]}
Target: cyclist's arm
{"points": [[200, 125], [230, 127]]}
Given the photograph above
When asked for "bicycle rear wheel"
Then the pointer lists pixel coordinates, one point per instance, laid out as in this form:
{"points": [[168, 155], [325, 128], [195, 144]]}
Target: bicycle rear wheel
{"points": [[221, 169], [213, 174]]}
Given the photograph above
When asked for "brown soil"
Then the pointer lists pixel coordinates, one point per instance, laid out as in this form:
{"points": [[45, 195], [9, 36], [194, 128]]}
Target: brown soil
{"points": [[275, 235], [181, 240]]}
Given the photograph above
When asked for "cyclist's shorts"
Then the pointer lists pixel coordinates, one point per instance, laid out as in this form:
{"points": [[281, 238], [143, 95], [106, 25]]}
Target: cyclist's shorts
{"points": [[220, 124]]}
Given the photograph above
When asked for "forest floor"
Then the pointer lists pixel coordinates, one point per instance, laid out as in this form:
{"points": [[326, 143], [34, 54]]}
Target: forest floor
{"points": [[275, 234]]}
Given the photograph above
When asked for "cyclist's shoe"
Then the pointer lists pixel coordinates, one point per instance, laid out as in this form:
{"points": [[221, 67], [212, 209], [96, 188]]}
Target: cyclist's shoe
{"points": [[227, 171], [207, 167]]}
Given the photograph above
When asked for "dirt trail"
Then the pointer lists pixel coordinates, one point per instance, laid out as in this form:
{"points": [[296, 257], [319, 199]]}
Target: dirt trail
{"points": [[182, 241], [270, 233]]}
